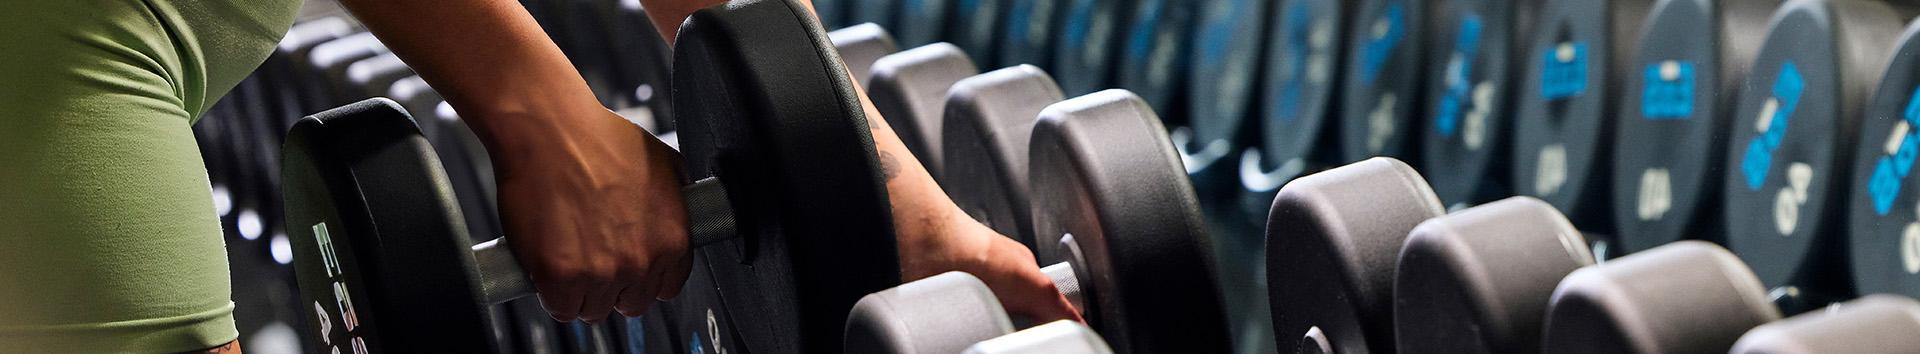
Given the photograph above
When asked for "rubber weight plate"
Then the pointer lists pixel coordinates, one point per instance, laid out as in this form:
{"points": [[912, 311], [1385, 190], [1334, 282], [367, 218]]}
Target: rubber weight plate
{"points": [[1380, 79], [1478, 280], [1103, 171], [1088, 38], [1882, 226], [1333, 239], [1221, 89], [1154, 62], [1792, 131], [1028, 32], [861, 45], [1692, 59], [1684, 297], [909, 88], [1570, 94], [1299, 85], [989, 120], [1472, 74], [1872, 324], [976, 28], [922, 22], [756, 102]]}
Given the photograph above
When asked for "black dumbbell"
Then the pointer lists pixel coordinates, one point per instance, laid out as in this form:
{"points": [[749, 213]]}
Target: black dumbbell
{"points": [[1692, 59], [1299, 85], [1220, 90], [1086, 44], [860, 45], [809, 237], [910, 89], [1685, 297], [989, 122], [1332, 242], [1568, 100], [1473, 66], [1130, 250], [327, 64], [1380, 79], [1884, 240], [1027, 32], [1793, 129], [1479, 280], [1059, 337], [376, 76], [1153, 61], [1872, 324]]}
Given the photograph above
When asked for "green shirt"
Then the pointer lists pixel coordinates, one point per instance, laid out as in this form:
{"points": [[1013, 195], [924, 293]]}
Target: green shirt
{"points": [[108, 237]]}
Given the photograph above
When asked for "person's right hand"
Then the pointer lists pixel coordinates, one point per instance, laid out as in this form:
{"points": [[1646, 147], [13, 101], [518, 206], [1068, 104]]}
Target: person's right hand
{"points": [[595, 215]]}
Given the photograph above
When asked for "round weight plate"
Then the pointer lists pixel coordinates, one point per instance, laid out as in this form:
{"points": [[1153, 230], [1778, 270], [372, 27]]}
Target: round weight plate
{"points": [[1791, 132], [1221, 89], [1380, 79], [1090, 31], [1300, 83], [1469, 97], [921, 22], [1104, 171], [1684, 297], [758, 109], [1567, 101], [1028, 32], [1154, 61], [1882, 224], [1691, 60], [1478, 280], [989, 120], [1332, 242], [909, 88], [977, 28]]}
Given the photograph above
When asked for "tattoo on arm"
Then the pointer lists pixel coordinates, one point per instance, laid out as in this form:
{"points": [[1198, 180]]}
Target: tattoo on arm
{"points": [[889, 167]]}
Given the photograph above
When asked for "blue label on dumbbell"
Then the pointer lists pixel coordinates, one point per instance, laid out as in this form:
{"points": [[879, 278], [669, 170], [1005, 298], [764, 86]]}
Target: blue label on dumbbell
{"points": [[1459, 76], [1903, 144], [1564, 73], [1383, 36], [1219, 33], [1079, 21], [1774, 115], [1298, 47], [1017, 22], [1668, 93], [1140, 38]]}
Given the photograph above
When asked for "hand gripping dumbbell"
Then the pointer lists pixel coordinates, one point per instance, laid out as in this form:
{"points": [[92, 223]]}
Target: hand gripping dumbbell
{"points": [[1105, 178], [1872, 324], [1685, 297], [1479, 280], [798, 234]]}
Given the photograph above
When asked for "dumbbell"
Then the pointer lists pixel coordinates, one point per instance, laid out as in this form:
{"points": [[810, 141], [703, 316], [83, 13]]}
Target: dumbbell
{"points": [[1479, 280], [1027, 32], [989, 122], [1058, 337], [285, 68], [976, 29], [1380, 79], [1568, 98], [860, 45], [910, 89], [1220, 90], [1131, 251], [1472, 65], [1883, 239], [1872, 324], [376, 76], [1793, 130], [1684, 297], [1300, 84], [1154, 62], [1693, 57], [328, 64], [1332, 242], [1086, 42], [812, 222]]}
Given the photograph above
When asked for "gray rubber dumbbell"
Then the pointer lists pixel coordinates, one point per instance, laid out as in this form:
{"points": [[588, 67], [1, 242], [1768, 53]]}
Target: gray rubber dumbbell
{"points": [[910, 89], [1478, 280], [1059, 337], [1685, 297], [1872, 324], [860, 45], [944, 313]]}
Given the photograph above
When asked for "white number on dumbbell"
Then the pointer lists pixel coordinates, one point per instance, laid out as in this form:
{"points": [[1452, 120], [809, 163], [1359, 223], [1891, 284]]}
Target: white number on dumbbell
{"points": [[713, 332], [1551, 171], [1475, 131], [1656, 194], [1380, 123], [1320, 39], [1786, 203], [1910, 248]]}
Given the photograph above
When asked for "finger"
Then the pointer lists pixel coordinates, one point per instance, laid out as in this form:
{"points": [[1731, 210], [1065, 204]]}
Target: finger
{"points": [[675, 278], [562, 301], [599, 303], [1037, 298], [633, 301]]}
